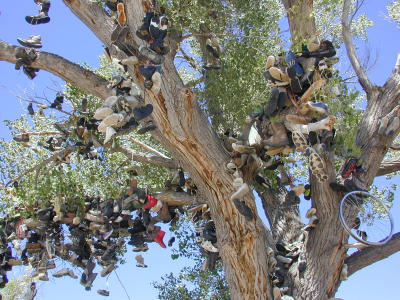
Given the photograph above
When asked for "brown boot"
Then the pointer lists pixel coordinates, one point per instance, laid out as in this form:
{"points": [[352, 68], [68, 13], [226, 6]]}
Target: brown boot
{"points": [[279, 137]]}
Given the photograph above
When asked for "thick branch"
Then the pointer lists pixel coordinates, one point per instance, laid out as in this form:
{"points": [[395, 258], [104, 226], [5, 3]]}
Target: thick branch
{"points": [[348, 41], [370, 255], [70, 72], [146, 158], [388, 166]]}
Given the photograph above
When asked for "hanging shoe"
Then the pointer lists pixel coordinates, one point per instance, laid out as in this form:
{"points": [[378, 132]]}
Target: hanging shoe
{"points": [[149, 126], [270, 109], [121, 13], [140, 261], [159, 238], [294, 80], [314, 107], [107, 270], [34, 41], [103, 293], [110, 132], [142, 112], [30, 72], [171, 241], [208, 246], [40, 18]]}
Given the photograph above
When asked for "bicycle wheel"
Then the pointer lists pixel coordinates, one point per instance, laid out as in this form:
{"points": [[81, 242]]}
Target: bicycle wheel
{"points": [[366, 218]]}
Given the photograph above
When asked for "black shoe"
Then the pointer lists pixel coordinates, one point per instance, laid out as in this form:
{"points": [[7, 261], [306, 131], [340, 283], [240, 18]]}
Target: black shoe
{"points": [[30, 72], [171, 241], [294, 80], [243, 209], [24, 138], [146, 128], [270, 109], [130, 124], [30, 109], [313, 138], [142, 112], [213, 51]]}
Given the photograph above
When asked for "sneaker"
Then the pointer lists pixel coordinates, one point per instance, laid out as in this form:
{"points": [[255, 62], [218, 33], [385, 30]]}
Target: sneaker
{"points": [[103, 293], [142, 112], [314, 107], [270, 109], [34, 41], [140, 261], [146, 128], [243, 209], [316, 164], [41, 18], [43, 276]]}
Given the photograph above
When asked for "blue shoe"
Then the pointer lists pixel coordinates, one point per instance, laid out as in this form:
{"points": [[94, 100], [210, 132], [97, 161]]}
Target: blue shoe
{"points": [[142, 112]]}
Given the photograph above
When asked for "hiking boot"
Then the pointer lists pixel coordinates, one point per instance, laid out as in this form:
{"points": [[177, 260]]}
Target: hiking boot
{"points": [[142, 112], [34, 41], [103, 293], [243, 209], [146, 128], [40, 18]]}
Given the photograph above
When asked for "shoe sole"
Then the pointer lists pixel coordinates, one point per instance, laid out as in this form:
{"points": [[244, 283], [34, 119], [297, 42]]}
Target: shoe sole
{"points": [[35, 21], [27, 44], [299, 141], [317, 167]]}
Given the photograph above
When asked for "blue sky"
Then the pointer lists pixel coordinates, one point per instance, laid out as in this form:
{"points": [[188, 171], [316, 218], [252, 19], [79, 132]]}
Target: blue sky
{"points": [[66, 36]]}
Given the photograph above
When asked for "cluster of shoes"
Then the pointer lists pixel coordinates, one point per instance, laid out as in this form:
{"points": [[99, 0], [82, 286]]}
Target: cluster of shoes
{"points": [[123, 110], [206, 237], [83, 235], [279, 264], [178, 183], [25, 57], [153, 30]]}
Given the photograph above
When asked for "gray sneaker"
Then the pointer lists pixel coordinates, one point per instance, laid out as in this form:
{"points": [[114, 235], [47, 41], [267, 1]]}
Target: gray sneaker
{"points": [[34, 41], [156, 58]]}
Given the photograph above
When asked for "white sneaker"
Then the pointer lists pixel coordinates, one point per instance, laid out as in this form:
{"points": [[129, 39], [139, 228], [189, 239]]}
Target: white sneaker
{"points": [[102, 113], [102, 127], [112, 120]]}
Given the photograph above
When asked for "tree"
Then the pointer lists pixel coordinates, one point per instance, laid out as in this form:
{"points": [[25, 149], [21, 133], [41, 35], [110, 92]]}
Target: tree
{"points": [[184, 129]]}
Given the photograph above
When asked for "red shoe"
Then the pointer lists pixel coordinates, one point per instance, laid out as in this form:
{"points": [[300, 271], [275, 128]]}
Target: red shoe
{"points": [[151, 201], [159, 238]]}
